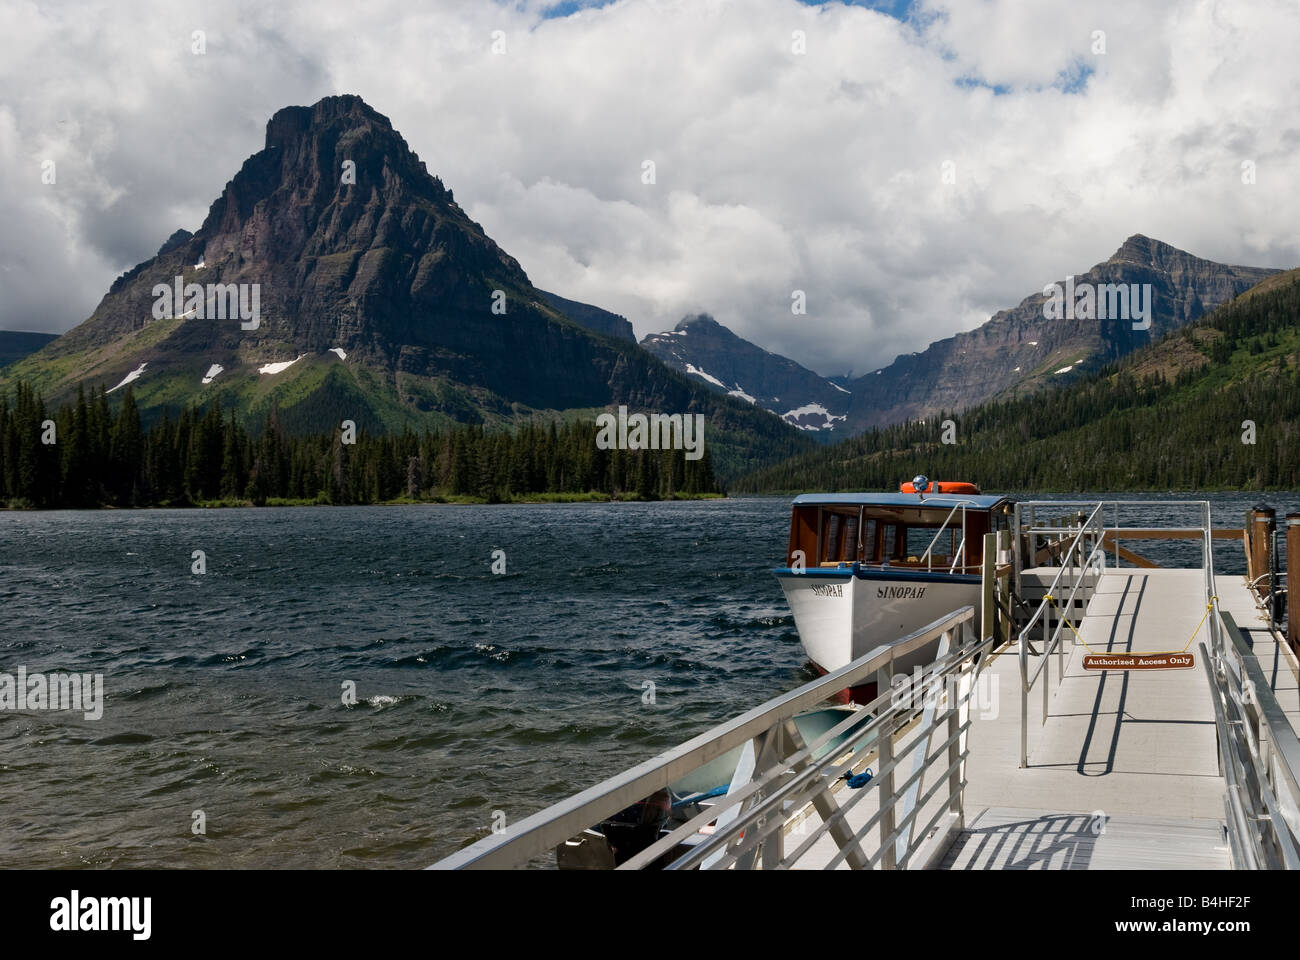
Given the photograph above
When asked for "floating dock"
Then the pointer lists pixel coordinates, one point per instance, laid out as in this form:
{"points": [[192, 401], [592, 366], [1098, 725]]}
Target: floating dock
{"points": [[1041, 738]]}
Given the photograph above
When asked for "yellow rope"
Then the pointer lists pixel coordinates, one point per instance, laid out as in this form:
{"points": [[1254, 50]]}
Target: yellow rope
{"points": [[1208, 607]]}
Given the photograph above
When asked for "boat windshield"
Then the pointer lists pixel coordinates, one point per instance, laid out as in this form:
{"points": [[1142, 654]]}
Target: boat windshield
{"points": [[930, 538]]}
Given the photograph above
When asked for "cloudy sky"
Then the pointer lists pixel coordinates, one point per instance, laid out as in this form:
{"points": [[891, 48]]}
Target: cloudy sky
{"points": [[918, 166]]}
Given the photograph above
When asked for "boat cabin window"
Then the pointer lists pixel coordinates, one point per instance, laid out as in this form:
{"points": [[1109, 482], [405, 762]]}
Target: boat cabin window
{"points": [[839, 539], [946, 546], [887, 543], [834, 534], [869, 546]]}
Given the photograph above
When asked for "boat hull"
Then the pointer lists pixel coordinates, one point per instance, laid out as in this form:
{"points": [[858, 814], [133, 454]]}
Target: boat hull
{"points": [[842, 614]]}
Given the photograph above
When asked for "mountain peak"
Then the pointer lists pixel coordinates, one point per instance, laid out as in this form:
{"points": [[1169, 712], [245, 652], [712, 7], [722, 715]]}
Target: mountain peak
{"points": [[335, 277], [700, 321], [1142, 249], [290, 124], [716, 356]]}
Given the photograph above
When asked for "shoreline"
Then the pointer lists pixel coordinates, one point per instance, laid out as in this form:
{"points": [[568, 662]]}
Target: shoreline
{"points": [[451, 500]]}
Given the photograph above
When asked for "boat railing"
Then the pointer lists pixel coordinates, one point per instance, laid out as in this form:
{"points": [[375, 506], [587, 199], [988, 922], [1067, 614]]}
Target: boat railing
{"points": [[960, 555], [789, 774], [960, 552]]}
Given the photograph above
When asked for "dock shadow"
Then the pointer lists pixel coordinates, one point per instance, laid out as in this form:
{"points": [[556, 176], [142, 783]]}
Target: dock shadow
{"points": [[1030, 844], [1109, 765]]}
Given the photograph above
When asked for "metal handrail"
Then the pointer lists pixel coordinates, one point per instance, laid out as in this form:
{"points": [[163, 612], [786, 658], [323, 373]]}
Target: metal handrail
{"points": [[1065, 560], [1085, 567], [1259, 754], [1096, 559], [961, 550], [542, 832], [757, 827]]}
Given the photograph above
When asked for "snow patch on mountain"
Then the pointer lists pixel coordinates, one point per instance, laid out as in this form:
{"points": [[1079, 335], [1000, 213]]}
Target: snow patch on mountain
{"points": [[692, 368], [811, 411], [740, 392], [281, 366], [131, 377]]}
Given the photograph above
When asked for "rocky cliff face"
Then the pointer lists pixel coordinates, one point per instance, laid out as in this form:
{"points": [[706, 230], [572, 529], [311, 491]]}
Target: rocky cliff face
{"points": [[593, 318], [379, 300], [1020, 349], [352, 245], [707, 351]]}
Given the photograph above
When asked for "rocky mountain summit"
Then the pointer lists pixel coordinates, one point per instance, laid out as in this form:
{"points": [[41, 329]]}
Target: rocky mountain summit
{"points": [[707, 351]]}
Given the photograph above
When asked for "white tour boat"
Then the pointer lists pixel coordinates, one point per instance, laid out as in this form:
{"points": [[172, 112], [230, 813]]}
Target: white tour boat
{"points": [[863, 569]]}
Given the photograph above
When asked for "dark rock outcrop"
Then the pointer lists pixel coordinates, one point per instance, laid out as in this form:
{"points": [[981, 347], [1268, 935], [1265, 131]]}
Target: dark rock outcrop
{"points": [[593, 318]]}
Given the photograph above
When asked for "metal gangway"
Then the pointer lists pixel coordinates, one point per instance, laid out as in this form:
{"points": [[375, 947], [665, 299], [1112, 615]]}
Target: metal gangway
{"points": [[791, 803]]}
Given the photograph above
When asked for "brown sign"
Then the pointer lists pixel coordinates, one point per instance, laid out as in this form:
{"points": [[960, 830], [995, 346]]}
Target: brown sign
{"points": [[1138, 661]]}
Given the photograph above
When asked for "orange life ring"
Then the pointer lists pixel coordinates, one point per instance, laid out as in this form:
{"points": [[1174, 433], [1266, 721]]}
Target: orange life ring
{"points": [[942, 486]]}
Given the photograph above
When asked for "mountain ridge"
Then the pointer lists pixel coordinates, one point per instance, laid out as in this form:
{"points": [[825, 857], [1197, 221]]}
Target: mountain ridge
{"points": [[380, 300], [1168, 416], [967, 368]]}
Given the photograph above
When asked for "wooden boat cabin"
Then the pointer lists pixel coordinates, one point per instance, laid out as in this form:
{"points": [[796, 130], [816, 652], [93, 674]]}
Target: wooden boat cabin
{"points": [[936, 533]]}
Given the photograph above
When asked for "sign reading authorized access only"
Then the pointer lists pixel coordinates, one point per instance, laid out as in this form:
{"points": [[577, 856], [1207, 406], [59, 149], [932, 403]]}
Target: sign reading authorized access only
{"points": [[1138, 661]]}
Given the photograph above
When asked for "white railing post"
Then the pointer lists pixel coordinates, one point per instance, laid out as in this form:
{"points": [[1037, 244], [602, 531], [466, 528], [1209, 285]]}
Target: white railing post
{"points": [[958, 712], [885, 753], [1024, 706]]}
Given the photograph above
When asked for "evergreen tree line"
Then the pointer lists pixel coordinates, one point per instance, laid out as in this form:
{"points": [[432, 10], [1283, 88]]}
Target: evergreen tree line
{"points": [[1119, 429], [95, 455]]}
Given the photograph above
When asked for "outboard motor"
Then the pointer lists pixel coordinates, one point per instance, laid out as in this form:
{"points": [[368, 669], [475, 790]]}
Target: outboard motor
{"points": [[632, 830]]}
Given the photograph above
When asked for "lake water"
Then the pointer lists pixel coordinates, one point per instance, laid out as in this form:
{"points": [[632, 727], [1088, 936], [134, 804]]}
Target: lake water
{"points": [[474, 692]]}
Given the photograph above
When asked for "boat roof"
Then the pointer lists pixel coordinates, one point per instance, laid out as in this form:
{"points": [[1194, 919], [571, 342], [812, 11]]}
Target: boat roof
{"points": [[976, 501]]}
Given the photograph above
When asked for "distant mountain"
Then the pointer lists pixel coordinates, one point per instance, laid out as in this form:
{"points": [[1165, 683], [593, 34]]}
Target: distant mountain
{"points": [[1213, 405], [379, 301], [14, 344], [1019, 350], [704, 349]]}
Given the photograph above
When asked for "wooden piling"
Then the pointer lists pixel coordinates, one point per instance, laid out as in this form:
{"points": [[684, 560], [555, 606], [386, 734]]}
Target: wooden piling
{"points": [[988, 599], [1005, 622], [1261, 524]]}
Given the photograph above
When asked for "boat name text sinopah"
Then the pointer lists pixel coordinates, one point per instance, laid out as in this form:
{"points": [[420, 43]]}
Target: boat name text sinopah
{"points": [[900, 593]]}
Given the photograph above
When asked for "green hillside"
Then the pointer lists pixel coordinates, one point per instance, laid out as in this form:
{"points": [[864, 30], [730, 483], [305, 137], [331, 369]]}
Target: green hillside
{"points": [[1168, 417]]}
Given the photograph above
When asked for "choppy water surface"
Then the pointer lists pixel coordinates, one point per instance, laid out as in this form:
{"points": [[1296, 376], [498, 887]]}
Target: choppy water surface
{"points": [[475, 692]]}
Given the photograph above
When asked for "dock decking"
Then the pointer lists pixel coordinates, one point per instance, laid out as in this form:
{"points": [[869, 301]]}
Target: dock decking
{"points": [[1124, 772], [1003, 838]]}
